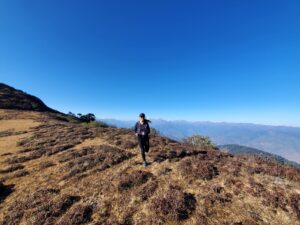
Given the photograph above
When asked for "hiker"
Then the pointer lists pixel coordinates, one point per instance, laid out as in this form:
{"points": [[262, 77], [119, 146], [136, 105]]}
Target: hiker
{"points": [[142, 131]]}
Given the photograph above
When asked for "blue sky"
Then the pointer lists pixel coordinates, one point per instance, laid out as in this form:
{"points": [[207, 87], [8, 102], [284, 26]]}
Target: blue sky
{"points": [[234, 61]]}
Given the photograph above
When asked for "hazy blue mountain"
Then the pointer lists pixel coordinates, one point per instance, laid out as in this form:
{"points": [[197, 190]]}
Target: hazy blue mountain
{"points": [[279, 140], [244, 150]]}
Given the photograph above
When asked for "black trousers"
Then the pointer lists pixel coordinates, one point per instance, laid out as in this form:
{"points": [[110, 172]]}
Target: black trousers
{"points": [[144, 145]]}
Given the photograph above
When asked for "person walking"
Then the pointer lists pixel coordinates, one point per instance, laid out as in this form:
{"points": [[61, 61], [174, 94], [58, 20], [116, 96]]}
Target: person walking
{"points": [[142, 131]]}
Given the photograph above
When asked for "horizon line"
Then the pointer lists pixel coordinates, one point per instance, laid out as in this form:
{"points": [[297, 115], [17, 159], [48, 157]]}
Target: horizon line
{"points": [[207, 121]]}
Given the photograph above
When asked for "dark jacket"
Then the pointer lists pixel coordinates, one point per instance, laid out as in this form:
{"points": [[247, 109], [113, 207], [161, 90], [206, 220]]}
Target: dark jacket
{"points": [[142, 130]]}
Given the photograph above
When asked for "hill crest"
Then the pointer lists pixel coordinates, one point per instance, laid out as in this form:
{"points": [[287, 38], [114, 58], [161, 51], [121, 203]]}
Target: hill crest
{"points": [[11, 98]]}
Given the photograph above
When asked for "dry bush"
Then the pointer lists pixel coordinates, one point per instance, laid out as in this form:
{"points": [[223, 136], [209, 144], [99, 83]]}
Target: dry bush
{"points": [[178, 151], [147, 190], [173, 205], [295, 204], [164, 171], [217, 195], [46, 164], [20, 173], [127, 144], [249, 222], [6, 133], [197, 168], [72, 154], [275, 199], [51, 139], [78, 214], [255, 170], [60, 148], [175, 152], [101, 157], [44, 206], [236, 185], [26, 158], [236, 168], [201, 219], [6, 154], [256, 189], [132, 179], [273, 168], [12, 168]]}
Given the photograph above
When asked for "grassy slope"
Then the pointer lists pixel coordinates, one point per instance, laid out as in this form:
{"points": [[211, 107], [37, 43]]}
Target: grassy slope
{"points": [[94, 176]]}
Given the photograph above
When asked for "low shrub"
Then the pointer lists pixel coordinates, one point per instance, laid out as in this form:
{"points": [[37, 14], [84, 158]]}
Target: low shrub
{"points": [[135, 178], [43, 206], [295, 204], [275, 199], [256, 189], [102, 157], [44, 165], [197, 168], [147, 190], [12, 168], [77, 215], [173, 205]]}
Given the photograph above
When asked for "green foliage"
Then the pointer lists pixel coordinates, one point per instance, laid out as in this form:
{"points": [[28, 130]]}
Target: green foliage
{"points": [[95, 124], [90, 117], [198, 140]]}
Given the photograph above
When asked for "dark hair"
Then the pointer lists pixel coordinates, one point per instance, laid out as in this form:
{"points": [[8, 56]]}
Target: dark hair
{"points": [[142, 115]]}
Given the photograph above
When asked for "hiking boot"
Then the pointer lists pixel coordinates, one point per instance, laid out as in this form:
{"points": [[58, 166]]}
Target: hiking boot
{"points": [[145, 164]]}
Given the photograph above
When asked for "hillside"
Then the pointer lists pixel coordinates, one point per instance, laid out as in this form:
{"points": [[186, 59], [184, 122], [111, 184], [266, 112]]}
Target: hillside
{"points": [[10, 98], [58, 172], [279, 140], [54, 172], [244, 150]]}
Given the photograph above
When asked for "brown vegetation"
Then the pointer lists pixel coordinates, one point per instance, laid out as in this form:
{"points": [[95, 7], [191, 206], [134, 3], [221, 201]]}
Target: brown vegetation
{"points": [[133, 179], [196, 167], [56, 172], [171, 206]]}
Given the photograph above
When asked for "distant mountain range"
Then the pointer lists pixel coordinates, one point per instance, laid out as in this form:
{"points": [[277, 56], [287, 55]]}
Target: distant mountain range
{"points": [[244, 150], [279, 140]]}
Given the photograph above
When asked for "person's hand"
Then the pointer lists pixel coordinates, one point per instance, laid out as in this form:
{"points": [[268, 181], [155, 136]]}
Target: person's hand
{"points": [[136, 134]]}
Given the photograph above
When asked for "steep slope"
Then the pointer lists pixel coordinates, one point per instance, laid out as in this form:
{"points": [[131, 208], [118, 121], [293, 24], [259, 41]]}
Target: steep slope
{"points": [[55, 172], [10, 98], [245, 150]]}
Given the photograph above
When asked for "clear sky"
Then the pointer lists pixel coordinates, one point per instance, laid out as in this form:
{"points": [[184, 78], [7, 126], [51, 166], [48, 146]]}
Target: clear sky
{"points": [[234, 61]]}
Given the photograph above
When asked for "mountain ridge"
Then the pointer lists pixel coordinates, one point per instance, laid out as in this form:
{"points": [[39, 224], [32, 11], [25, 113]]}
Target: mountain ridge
{"points": [[280, 140], [245, 150], [11, 98]]}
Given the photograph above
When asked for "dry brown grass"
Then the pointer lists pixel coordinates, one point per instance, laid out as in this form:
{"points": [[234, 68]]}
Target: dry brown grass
{"points": [[197, 168], [172, 206], [63, 173]]}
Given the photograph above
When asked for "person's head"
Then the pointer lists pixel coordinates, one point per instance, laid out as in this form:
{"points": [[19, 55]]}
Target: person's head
{"points": [[142, 117]]}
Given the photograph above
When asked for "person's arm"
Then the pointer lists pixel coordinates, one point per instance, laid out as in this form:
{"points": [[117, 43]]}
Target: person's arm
{"points": [[136, 129], [148, 128]]}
